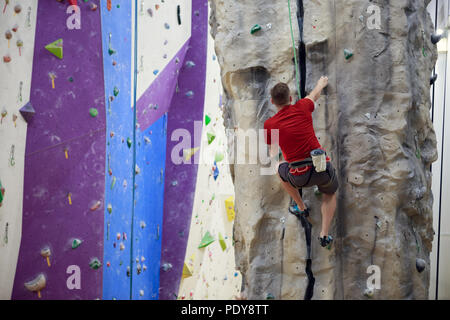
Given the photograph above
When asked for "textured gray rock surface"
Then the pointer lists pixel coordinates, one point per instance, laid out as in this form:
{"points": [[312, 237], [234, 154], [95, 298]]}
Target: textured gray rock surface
{"points": [[374, 121]]}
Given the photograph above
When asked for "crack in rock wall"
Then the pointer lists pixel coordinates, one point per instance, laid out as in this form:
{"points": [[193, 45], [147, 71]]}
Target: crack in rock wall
{"points": [[374, 121]]}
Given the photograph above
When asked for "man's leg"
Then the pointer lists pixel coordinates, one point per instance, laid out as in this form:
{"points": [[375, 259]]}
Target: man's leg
{"points": [[328, 209], [293, 192]]}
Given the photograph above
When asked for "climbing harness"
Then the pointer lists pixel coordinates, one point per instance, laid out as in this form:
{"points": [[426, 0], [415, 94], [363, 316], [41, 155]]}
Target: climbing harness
{"points": [[295, 51], [307, 226]]}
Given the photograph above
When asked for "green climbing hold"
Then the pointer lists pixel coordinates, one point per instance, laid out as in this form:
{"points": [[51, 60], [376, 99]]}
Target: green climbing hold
{"points": [[255, 28], [222, 242], [211, 137], [116, 91], [207, 119], [348, 54], [76, 243], [206, 240], [270, 296], [111, 51], [95, 264], [93, 112], [109, 208], [218, 157], [113, 183], [56, 48], [129, 142], [70, 79]]}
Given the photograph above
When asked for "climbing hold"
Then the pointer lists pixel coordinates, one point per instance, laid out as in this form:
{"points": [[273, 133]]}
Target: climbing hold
{"points": [[369, 292], [93, 112], [150, 12], [166, 25], [218, 157], [222, 242], [37, 284], [17, 8], [76, 243], [156, 6], [179, 14], [116, 91], [142, 224], [108, 5], [109, 208], [95, 206], [27, 112], [129, 142], [2, 193], [95, 263], [46, 253], [56, 48], [206, 240], [174, 183], [93, 7], [141, 293], [69, 195], [270, 296], [155, 72], [6, 59], [19, 44], [215, 171], [121, 246], [190, 64], [187, 271], [137, 170], [229, 206], [255, 28], [211, 137], [166, 267], [435, 38], [433, 79], [348, 54], [420, 265], [207, 119], [189, 94], [8, 36], [188, 153]]}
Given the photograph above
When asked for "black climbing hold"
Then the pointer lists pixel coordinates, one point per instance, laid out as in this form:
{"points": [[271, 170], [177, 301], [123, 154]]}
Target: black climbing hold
{"points": [[435, 38], [420, 265], [179, 14], [433, 79], [27, 112]]}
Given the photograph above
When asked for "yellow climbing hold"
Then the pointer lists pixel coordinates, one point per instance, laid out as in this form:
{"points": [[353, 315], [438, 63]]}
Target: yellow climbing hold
{"points": [[229, 205], [187, 271], [188, 153]]}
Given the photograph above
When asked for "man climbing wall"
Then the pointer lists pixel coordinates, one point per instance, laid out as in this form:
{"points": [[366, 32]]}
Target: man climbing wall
{"points": [[307, 165]]}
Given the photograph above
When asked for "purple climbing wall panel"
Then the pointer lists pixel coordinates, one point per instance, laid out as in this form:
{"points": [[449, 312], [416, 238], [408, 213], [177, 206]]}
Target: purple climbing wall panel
{"points": [[181, 179], [65, 154]]}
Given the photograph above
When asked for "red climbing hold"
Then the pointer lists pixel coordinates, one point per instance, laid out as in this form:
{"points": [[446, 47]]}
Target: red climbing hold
{"points": [[73, 2]]}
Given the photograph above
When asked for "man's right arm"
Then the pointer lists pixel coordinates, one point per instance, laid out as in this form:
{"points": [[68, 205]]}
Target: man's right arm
{"points": [[315, 94]]}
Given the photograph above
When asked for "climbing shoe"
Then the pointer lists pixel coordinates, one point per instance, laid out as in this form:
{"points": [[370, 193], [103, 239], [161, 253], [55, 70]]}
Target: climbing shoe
{"points": [[326, 242], [294, 209]]}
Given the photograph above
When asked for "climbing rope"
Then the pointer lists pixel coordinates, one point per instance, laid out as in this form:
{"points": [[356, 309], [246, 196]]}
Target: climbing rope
{"points": [[295, 52]]}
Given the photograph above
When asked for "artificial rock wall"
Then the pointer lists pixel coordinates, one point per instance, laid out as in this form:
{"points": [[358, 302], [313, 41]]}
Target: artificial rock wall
{"points": [[374, 121]]}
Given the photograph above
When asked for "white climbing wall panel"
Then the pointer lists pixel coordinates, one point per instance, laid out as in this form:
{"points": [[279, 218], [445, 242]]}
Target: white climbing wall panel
{"points": [[213, 269], [15, 84], [161, 31]]}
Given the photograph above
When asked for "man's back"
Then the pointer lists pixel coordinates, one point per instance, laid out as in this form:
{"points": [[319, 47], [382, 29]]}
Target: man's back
{"points": [[296, 132]]}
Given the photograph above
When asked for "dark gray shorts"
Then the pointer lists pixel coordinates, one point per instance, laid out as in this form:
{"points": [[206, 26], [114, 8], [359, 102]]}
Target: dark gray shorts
{"points": [[326, 181]]}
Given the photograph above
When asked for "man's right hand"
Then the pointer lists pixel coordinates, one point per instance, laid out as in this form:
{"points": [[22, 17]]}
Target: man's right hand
{"points": [[323, 82]]}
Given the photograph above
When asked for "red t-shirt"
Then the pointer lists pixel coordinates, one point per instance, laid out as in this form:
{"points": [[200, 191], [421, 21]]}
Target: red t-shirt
{"points": [[296, 132]]}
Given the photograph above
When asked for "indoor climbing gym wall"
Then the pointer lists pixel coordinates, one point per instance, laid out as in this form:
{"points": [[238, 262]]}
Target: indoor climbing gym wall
{"points": [[92, 150], [209, 268], [17, 26], [62, 226]]}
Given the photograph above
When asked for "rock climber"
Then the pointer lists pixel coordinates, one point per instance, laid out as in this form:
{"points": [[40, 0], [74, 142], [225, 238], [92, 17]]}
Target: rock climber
{"points": [[306, 162]]}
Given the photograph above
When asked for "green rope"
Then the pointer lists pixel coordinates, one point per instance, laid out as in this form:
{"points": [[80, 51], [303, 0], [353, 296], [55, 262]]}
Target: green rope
{"points": [[295, 52]]}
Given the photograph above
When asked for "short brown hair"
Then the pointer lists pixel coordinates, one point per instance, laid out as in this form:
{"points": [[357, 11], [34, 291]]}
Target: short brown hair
{"points": [[280, 94]]}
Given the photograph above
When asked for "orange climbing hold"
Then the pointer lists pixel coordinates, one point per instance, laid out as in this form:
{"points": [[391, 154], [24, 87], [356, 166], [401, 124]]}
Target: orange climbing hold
{"points": [[108, 5]]}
